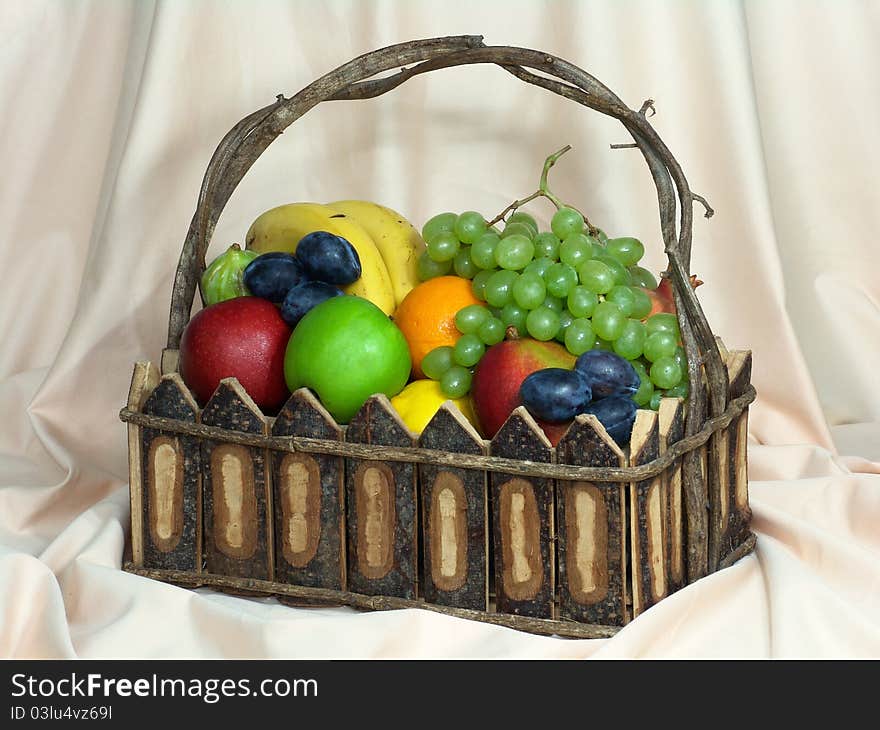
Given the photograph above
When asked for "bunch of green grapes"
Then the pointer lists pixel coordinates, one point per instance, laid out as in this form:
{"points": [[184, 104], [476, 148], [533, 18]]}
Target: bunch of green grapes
{"points": [[585, 291]]}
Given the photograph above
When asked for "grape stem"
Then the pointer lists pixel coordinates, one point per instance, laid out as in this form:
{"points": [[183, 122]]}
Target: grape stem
{"points": [[544, 191]]}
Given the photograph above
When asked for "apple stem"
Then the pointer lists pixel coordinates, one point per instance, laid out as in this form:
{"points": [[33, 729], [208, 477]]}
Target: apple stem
{"points": [[511, 333], [544, 191]]}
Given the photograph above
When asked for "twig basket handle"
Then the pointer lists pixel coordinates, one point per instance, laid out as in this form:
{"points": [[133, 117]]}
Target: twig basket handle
{"points": [[244, 143]]}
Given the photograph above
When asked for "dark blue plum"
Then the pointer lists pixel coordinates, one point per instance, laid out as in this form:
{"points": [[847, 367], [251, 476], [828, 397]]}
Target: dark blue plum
{"points": [[617, 413], [271, 275], [608, 373], [555, 395], [329, 258], [302, 298]]}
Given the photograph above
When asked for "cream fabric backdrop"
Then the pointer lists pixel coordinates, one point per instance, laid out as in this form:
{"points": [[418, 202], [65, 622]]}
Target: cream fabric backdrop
{"points": [[110, 111]]}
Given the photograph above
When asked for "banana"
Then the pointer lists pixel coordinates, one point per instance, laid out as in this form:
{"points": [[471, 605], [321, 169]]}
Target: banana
{"points": [[396, 238], [282, 228]]}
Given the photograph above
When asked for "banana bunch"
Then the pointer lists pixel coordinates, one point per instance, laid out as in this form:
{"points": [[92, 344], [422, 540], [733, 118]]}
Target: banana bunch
{"points": [[387, 244]]}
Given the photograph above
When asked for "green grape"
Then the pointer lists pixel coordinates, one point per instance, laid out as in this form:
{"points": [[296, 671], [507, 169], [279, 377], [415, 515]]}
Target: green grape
{"points": [[456, 382], [654, 403], [468, 350], [681, 358], [642, 303], [628, 251], [642, 277], [522, 217], [603, 344], [514, 252], [608, 321], [579, 336], [440, 223], [428, 268], [470, 226], [491, 332], [665, 372], [514, 316], [679, 391], [443, 247], [581, 301], [575, 249], [565, 319], [499, 287], [463, 264], [663, 322], [631, 341], [596, 276], [483, 251], [478, 285], [542, 323], [518, 229], [598, 250], [561, 279], [546, 244], [437, 362], [566, 221], [643, 395], [468, 319], [620, 272], [623, 297], [539, 266], [659, 345], [529, 291], [554, 303], [601, 236]]}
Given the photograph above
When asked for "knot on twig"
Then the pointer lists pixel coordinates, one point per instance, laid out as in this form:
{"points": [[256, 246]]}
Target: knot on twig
{"points": [[648, 105], [279, 98], [705, 203]]}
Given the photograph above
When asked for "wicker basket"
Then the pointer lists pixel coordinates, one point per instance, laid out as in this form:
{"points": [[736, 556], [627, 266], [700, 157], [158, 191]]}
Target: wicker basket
{"points": [[575, 540]]}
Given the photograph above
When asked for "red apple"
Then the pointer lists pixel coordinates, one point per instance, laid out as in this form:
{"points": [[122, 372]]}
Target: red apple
{"points": [[662, 299], [500, 372], [244, 338]]}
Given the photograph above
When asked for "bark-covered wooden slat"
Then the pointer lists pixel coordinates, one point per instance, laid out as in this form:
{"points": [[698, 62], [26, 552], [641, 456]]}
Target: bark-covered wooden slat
{"points": [[382, 507], [523, 519], [647, 518], [671, 423], [591, 530], [143, 380], [171, 478], [455, 516], [237, 495], [739, 374], [309, 499], [696, 494]]}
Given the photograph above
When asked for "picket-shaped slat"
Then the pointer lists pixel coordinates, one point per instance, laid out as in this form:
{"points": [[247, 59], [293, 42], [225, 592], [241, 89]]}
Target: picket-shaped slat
{"points": [[144, 380], [455, 516], [739, 370], [309, 499], [382, 508], [671, 421], [696, 492], [524, 530], [647, 518], [171, 499], [237, 497], [591, 530]]}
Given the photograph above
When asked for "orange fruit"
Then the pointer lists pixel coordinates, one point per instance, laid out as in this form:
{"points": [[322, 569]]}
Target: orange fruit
{"points": [[426, 316]]}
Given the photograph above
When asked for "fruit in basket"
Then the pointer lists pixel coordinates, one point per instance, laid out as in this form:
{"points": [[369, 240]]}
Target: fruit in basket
{"points": [[617, 413], [608, 374], [301, 299], [421, 399], [426, 316], [224, 277], [271, 275], [555, 395], [346, 349], [328, 258], [397, 239], [500, 373], [283, 227], [244, 338]]}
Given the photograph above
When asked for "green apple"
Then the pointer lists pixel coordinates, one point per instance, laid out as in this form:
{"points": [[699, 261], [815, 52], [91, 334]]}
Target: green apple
{"points": [[347, 349]]}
